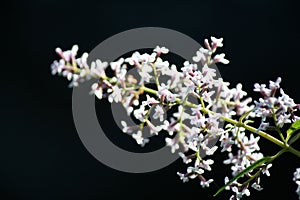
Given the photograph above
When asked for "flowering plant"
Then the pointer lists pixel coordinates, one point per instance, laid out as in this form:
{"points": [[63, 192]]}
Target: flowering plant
{"points": [[192, 127]]}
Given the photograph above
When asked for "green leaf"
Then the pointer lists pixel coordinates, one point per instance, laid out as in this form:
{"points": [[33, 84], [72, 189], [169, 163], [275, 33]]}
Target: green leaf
{"points": [[245, 171], [294, 127], [294, 139]]}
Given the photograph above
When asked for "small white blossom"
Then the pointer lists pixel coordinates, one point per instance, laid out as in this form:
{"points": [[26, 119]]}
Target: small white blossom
{"points": [[266, 169], [164, 93], [205, 164], [263, 126], [159, 113], [216, 41], [239, 194], [256, 186], [172, 143], [298, 189], [195, 170], [283, 119], [160, 50], [185, 159], [183, 177], [220, 58], [97, 90], [98, 68], [116, 95], [140, 113], [139, 139], [226, 180], [135, 59], [296, 175], [150, 101], [205, 183], [116, 66]]}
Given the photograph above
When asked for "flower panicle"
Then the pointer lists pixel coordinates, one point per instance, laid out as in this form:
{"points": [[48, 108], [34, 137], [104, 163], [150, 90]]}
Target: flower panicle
{"points": [[191, 128]]}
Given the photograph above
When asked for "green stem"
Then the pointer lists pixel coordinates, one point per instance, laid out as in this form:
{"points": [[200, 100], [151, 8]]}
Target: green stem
{"points": [[156, 76], [277, 127], [263, 134]]}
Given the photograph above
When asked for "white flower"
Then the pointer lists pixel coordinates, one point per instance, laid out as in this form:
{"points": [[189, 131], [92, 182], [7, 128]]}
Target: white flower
{"points": [[134, 59], [210, 151], [296, 178], [181, 114], [252, 143], [57, 67], [185, 159], [98, 68], [139, 139], [239, 194], [188, 68], [226, 142], [217, 42], [275, 85], [69, 54], [195, 171], [125, 127], [164, 93], [199, 57], [140, 113], [146, 58], [198, 121], [266, 169], [160, 50], [296, 175], [172, 143], [202, 55], [263, 126], [226, 180], [286, 101], [205, 183], [238, 93], [205, 164], [298, 189], [183, 177], [97, 90], [257, 186], [266, 92], [162, 66], [153, 129], [116, 66], [208, 75], [283, 119], [149, 101], [232, 159], [220, 58], [144, 72], [159, 113], [207, 96], [116, 95]]}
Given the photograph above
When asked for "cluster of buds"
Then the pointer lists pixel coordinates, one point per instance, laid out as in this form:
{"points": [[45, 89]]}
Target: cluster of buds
{"points": [[195, 130]]}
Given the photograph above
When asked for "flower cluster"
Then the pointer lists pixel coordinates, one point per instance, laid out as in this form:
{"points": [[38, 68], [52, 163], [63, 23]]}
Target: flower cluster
{"points": [[280, 108], [195, 130]]}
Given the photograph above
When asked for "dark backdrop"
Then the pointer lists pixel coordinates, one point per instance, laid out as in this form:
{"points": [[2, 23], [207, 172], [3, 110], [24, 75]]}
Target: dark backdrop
{"points": [[41, 154]]}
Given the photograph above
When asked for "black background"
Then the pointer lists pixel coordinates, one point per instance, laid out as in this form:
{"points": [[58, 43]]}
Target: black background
{"points": [[42, 156]]}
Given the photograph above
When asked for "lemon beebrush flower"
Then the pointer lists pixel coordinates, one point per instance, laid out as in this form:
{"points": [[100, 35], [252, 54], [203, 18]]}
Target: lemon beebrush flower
{"points": [[191, 127]]}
